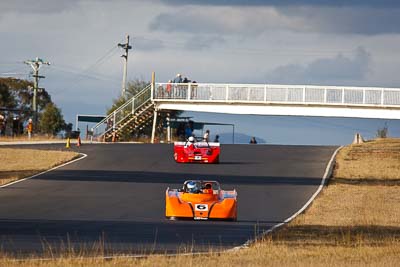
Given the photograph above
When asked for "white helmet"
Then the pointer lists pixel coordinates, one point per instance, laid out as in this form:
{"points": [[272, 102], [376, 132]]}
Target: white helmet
{"points": [[191, 139]]}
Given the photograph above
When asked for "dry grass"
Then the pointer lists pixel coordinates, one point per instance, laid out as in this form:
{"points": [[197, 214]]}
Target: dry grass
{"points": [[354, 222], [376, 205], [266, 253], [25, 138], [21, 163], [377, 159]]}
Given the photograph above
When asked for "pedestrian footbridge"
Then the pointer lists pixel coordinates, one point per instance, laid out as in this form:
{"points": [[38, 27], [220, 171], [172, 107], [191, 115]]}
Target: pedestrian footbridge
{"points": [[259, 99]]}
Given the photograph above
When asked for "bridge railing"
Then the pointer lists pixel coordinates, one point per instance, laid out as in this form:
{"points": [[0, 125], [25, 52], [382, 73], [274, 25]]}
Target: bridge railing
{"points": [[278, 94]]}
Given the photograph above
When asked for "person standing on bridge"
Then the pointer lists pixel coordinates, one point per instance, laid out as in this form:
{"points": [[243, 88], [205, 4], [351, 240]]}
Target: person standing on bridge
{"points": [[178, 80], [168, 88]]}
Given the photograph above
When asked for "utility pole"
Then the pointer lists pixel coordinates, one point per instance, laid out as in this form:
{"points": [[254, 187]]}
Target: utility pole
{"points": [[126, 47], [36, 64]]}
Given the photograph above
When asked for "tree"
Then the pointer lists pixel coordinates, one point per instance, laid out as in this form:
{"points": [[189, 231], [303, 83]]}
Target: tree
{"points": [[135, 87], [132, 89], [7, 101], [16, 100], [51, 120]]}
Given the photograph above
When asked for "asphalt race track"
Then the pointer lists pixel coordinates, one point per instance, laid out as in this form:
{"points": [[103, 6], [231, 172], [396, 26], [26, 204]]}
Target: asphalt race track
{"points": [[115, 198]]}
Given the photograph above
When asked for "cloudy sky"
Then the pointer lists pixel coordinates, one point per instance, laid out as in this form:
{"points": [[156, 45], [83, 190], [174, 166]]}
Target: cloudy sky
{"points": [[254, 41]]}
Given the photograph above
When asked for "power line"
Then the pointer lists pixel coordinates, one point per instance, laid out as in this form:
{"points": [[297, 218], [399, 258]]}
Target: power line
{"points": [[85, 72], [102, 59], [80, 73]]}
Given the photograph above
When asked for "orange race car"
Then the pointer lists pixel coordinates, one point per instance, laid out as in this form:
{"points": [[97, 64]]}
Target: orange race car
{"points": [[201, 200], [193, 151]]}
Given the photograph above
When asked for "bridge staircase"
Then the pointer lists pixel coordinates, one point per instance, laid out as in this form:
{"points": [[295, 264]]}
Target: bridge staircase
{"points": [[135, 114]]}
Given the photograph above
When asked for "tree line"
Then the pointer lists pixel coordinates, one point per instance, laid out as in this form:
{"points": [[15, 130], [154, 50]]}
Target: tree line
{"points": [[16, 109]]}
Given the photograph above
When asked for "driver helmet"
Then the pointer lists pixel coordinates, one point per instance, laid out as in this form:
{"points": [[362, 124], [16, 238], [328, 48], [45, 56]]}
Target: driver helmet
{"points": [[192, 187], [191, 139]]}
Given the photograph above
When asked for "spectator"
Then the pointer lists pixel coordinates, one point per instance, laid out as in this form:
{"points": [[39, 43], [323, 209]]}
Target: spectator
{"points": [[2, 125], [191, 125], [206, 136], [29, 128], [15, 126], [178, 78], [179, 89], [253, 140], [180, 131], [216, 140], [168, 88], [188, 131]]}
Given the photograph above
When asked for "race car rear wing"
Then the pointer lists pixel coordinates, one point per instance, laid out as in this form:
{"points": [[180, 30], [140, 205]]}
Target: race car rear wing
{"points": [[198, 144]]}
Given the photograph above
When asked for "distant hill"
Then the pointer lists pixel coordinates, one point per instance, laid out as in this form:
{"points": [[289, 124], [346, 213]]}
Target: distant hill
{"points": [[240, 138]]}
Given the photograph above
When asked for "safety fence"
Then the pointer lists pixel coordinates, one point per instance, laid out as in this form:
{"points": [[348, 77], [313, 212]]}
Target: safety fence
{"points": [[278, 94]]}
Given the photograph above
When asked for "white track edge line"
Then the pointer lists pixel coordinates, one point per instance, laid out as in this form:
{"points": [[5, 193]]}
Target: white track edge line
{"points": [[59, 166], [327, 174]]}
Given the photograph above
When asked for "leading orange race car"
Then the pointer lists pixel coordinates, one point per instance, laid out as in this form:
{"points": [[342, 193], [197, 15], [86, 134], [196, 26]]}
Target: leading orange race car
{"points": [[201, 200]]}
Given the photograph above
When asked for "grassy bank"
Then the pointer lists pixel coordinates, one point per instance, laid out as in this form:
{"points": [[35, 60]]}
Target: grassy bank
{"points": [[355, 221], [24, 138], [20, 163]]}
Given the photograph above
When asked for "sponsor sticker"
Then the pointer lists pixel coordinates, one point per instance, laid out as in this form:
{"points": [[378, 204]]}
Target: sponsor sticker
{"points": [[200, 218], [201, 207]]}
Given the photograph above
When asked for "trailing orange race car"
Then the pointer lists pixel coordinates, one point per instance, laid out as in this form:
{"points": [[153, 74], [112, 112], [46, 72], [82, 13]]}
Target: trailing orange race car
{"points": [[193, 151], [201, 200]]}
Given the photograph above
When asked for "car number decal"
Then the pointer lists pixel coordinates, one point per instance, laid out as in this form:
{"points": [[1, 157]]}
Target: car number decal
{"points": [[201, 207]]}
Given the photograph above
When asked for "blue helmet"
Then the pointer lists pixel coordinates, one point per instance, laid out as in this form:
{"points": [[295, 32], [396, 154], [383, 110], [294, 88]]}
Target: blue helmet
{"points": [[192, 187]]}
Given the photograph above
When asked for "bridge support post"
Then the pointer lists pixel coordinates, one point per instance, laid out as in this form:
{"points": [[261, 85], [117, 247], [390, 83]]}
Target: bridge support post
{"points": [[153, 83], [168, 128], [153, 132]]}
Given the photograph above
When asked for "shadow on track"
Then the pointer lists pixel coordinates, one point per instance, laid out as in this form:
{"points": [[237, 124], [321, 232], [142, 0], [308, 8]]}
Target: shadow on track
{"points": [[174, 178]]}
